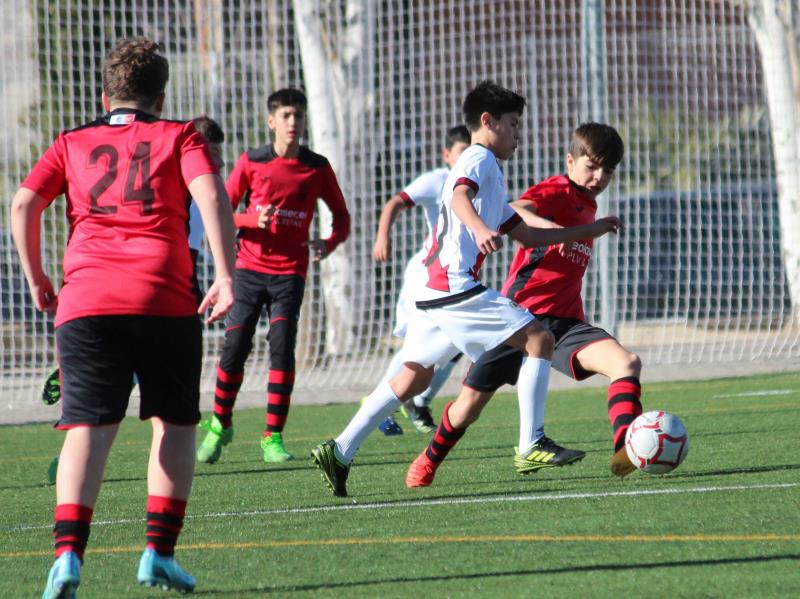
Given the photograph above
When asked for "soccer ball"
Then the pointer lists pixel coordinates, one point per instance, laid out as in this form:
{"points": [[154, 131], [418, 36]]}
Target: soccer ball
{"points": [[656, 442]]}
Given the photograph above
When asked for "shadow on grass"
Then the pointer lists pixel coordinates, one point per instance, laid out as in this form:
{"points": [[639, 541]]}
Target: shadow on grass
{"points": [[511, 574]]}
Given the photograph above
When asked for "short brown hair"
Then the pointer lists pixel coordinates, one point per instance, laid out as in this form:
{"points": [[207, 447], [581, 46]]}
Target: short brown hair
{"points": [[599, 142], [134, 71], [209, 129], [287, 96]]}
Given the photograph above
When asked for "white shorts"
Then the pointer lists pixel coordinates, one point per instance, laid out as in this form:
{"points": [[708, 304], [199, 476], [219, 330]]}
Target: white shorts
{"points": [[475, 325], [406, 307]]}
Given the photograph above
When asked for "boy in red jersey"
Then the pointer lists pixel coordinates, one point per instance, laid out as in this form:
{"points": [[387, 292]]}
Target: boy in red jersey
{"points": [[279, 185], [547, 281], [126, 305], [454, 311]]}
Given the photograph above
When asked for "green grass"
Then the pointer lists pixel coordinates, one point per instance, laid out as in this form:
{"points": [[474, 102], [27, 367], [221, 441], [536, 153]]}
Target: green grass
{"points": [[719, 526]]}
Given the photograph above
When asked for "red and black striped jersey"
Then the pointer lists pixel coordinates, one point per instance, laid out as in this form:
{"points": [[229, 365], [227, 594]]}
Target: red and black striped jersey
{"points": [[291, 186], [542, 279], [125, 177]]}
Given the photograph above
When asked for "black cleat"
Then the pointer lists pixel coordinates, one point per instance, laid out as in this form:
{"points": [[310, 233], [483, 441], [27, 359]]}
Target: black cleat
{"points": [[420, 417], [333, 471], [545, 453]]}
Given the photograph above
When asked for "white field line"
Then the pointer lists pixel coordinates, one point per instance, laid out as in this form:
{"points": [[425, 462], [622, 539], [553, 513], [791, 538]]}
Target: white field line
{"points": [[756, 393], [434, 502]]}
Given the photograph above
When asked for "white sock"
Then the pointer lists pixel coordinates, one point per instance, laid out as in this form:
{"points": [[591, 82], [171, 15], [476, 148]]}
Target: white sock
{"points": [[378, 405], [534, 376]]}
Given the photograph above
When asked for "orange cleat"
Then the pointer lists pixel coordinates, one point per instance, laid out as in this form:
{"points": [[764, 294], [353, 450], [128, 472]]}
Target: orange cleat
{"points": [[421, 472]]}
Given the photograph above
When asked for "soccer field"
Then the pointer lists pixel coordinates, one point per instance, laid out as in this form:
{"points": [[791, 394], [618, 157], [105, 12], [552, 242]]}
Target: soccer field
{"points": [[725, 524]]}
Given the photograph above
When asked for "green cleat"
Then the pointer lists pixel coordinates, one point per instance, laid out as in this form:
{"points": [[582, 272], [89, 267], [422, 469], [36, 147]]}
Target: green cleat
{"points": [[545, 453], [216, 438], [273, 449], [64, 577], [51, 391], [333, 471]]}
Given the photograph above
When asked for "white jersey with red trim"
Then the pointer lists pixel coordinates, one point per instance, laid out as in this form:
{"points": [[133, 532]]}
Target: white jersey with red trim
{"points": [[426, 191], [454, 259]]}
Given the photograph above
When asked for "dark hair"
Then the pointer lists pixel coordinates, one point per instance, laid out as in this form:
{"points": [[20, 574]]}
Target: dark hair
{"points": [[599, 142], [457, 134], [134, 71], [489, 97], [287, 96], [209, 129]]}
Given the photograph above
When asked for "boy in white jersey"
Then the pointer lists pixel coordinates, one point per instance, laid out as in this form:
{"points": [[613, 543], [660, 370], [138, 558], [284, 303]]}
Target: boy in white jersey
{"points": [[425, 191], [455, 312]]}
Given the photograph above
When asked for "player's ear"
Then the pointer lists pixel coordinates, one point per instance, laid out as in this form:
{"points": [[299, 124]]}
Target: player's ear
{"points": [[570, 162], [487, 120]]}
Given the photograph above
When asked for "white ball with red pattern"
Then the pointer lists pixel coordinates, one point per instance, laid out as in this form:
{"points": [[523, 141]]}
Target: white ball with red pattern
{"points": [[656, 442]]}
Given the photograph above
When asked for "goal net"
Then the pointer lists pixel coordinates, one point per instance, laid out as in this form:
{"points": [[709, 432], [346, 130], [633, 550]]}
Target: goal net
{"points": [[705, 272]]}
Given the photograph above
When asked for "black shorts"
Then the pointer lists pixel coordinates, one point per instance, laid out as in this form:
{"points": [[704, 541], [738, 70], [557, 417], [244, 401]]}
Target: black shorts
{"points": [[98, 356], [500, 366]]}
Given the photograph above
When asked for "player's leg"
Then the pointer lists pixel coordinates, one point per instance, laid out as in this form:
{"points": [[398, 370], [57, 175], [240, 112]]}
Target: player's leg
{"points": [[240, 326], [389, 425], [170, 398], [95, 383], [418, 408], [535, 449], [424, 346], [283, 306], [623, 368]]}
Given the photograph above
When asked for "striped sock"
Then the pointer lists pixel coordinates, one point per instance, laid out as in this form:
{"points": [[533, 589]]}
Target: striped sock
{"points": [[623, 406], [225, 393], [279, 396], [164, 523], [445, 438], [71, 529]]}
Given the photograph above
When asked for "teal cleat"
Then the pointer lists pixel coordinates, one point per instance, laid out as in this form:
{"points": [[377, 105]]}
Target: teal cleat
{"points": [[216, 438], [156, 570], [64, 577]]}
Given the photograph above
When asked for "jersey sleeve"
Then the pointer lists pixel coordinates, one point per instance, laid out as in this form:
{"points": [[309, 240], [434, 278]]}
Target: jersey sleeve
{"points": [[333, 198], [238, 182], [194, 156], [536, 194], [472, 171], [423, 191], [509, 219], [48, 176]]}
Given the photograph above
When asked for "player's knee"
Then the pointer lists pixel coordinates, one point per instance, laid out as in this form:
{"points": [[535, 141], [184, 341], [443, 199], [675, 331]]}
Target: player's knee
{"points": [[540, 342], [632, 364], [238, 345]]}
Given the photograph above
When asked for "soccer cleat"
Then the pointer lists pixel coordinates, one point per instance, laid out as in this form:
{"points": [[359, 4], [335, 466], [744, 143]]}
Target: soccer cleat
{"points": [[51, 391], [545, 453], [157, 570], [52, 471], [421, 472], [273, 449], [216, 438], [621, 465], [420, 417], [389, 427], [333, 471], [64, 577]]}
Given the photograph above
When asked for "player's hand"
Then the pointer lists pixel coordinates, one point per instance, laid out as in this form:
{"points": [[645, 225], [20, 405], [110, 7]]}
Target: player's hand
{"points": [[489, 241], [318, 247], [382, 249], [220, 295], [43, 294], [607, 224], [265, 216]]}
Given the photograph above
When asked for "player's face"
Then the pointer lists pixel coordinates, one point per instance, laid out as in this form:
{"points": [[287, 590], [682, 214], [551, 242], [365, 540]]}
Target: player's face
{"points": [[288, 123], [589, 174], [450, 155], [506, 134]]}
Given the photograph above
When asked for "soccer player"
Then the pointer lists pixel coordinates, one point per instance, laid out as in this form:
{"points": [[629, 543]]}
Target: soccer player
{"points": [[126, 304], [424, 191], [547, 281], [455, 312], [279, 185]]}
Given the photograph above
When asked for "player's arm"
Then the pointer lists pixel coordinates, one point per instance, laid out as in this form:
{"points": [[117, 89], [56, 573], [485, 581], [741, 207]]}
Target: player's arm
{"points": [[340, 225], [26, 223], [382, 248], [488, 240], [217, 214], [237, 186], [527, 210], [533, 237]]}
